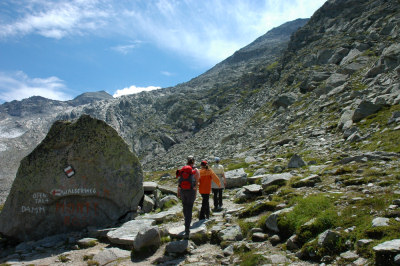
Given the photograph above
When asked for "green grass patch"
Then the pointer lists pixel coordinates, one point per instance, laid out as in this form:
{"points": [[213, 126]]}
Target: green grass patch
{"points": [[251, 258], [63, 258], [88, 257], [382, 140], [93, 263], [234, 166], [317, 206], [257, 208], [245, 227]]}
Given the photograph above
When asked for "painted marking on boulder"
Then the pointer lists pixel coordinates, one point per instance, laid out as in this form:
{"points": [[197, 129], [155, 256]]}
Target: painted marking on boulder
{"points": [[40, 198], [33, 210], [69, 171], [73, 191]]}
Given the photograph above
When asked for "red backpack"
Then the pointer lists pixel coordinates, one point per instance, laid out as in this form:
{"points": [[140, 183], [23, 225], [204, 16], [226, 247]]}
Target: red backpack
{"points": [[186, 177]]}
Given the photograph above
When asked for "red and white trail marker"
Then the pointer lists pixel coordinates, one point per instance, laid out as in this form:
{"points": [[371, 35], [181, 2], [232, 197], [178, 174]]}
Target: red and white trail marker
{"points": [[56, 192], [69, 171]]}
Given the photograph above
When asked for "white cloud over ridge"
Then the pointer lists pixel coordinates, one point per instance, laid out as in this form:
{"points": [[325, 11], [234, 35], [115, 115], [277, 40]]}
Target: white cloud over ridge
{"points": [[18, 86], [133, 90], [206, 31]]}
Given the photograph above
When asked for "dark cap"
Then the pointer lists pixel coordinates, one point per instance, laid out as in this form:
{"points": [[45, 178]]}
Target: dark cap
{"points": [[203, 163]]}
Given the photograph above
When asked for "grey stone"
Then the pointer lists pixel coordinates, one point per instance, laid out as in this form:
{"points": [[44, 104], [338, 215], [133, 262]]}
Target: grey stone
{"points": [[386, 252], [380, 221], [335, 80], [199, 227], [275, 239], [349, 256], [391, 56], [346, 121], [363, 242], [168, 190], [272, 221], [109, 255], [277, 259], [179, 247], [126, 234], [147, 237], [285, 100], [98, 232], [396, 259], [328, 238], [82, 174], [261, 171], [228, 251], [339, 54], [148, 204], [259, 237], [236, 178], [252, 189], [396, 202], [168, 199], [149, 186], [291, 243], [52, 241], [395, 116], [233, 233], [272, 179], [364, 109], [355, 137], [87, 242], [309, 181], [296, 162], [349, 131], [350, 56]]}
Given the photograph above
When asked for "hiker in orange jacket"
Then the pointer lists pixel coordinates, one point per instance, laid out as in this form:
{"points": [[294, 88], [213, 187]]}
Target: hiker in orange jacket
{"points": [[206, 175]]}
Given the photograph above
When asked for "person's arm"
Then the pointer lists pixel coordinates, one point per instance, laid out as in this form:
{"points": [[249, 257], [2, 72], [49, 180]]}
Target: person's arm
{"points": [[215, 178], [223, 174], [197, 177]]}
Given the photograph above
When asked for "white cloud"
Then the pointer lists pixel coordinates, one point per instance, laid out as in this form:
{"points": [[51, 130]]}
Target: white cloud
{"points": [[206, 31], [18, 86], [167, 73], [125, 49], [133, 90], [211, 30], [57, 19]]}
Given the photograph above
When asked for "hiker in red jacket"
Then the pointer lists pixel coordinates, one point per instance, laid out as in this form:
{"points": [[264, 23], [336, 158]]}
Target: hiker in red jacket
{"points": [[187, 187]]}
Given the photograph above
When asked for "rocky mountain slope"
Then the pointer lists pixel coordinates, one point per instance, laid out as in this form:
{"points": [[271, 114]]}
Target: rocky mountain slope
{"points": [[313, 120]]}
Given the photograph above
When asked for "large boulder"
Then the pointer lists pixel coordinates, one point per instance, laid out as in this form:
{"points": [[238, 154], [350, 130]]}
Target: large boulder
{"points": [[236, 178], [82, 174]]}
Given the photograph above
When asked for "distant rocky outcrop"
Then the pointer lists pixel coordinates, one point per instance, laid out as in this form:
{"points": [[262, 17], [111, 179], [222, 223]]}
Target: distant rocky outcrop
{"points": [[90, 97], [82, 174]]}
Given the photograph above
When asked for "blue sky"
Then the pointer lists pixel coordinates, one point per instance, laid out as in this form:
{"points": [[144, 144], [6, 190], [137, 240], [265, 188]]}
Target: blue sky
{"points": [[59, 49]]}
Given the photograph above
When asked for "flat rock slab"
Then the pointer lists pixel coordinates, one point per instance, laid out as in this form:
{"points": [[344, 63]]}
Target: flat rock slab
{"points": [[252, 188], [380, 221], [126, 234], [198, 227], [110, 255], [272, 179], [149, 186], [162, 216]]}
